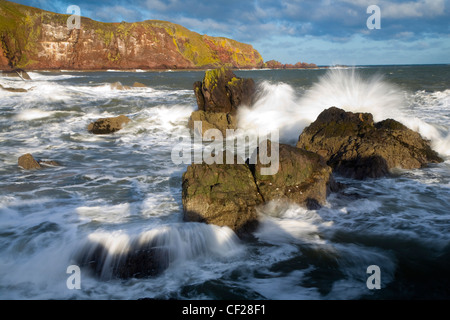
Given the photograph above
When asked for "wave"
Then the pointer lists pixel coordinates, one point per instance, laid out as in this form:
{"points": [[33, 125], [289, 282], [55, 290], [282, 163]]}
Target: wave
{"points": [[280, 107], [118, 254]]}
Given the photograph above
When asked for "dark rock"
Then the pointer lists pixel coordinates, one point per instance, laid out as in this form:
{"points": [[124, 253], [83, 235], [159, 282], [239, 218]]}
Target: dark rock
{"points": [[27, 162], [221, 194], [108, 125], [222, 91], [354, 146]]}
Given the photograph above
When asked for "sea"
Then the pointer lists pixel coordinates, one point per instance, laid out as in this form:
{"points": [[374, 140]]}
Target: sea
{"points": [[377, 239]]}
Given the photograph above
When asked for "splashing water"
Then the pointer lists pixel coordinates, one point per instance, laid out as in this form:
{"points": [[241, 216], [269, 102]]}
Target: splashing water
{"points": [[279, 107]]}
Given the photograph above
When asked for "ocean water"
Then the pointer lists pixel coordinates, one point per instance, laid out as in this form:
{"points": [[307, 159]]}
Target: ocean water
{"points": [[123, 189]]}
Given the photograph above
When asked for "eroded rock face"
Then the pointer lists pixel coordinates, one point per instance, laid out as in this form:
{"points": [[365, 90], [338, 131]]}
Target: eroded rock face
{"points": [[354, 146], [108, 125]]}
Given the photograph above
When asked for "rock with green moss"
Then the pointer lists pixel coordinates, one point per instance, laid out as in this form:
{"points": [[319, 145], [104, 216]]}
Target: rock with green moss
{"points": [[354, 146], [222, 91]]}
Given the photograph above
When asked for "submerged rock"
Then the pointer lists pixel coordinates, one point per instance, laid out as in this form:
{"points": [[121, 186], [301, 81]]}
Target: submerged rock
{"points": [[13, 89], [28, 162], [108, 125], [139, 85], [119, 86], [354, 146]]}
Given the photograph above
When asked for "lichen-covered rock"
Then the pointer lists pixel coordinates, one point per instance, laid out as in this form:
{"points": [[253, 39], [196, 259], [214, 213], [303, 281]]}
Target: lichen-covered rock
{"points": [[354, 146], [221, 194], [222, 91], [108, 125]]}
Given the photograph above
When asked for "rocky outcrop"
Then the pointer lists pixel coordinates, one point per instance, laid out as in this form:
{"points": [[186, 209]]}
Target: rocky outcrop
{"points": [[229, 194], [108, 125], [218, 97], [28, 162], [222, 91], [35, 39], [354, 146]]}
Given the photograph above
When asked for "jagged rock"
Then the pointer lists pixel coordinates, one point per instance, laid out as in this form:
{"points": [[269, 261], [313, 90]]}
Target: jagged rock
{"points": [[108, 125], [27, 162], [354, 146], [213, 120], [222, 91]]}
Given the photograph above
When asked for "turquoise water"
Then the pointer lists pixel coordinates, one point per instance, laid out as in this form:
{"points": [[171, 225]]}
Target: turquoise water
{"points": [[116, 189]]}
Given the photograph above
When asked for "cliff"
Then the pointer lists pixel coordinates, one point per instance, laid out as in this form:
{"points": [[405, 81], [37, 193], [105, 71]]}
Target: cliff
{"points": [[36, 39]]}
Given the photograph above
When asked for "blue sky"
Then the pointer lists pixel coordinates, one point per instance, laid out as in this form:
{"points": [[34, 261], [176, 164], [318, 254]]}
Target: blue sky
{"points": [[324, 32]]}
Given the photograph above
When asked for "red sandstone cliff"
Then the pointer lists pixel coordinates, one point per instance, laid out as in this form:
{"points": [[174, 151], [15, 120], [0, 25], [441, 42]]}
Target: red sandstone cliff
{"points": [[35, 39]]}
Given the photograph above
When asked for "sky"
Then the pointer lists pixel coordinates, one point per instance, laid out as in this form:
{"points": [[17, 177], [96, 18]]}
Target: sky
{"points": [[325, 32]]}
